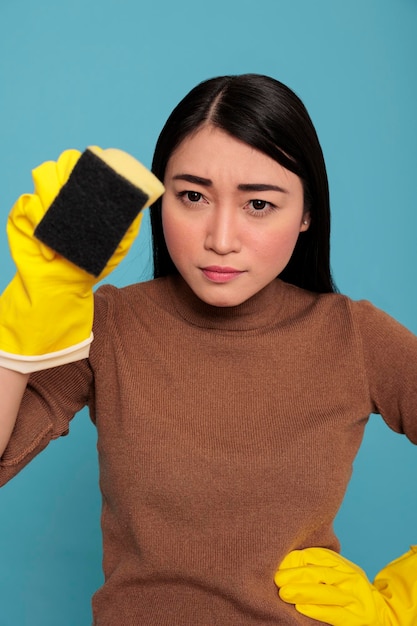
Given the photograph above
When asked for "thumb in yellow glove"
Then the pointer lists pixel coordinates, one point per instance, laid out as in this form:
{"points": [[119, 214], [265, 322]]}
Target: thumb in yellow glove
{"points": [[46, 312], [327, 587]]}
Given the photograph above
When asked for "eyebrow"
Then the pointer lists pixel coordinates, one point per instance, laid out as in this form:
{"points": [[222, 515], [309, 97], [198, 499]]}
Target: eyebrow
{"points": [[261, 187], [206, 182], [197, 180]]}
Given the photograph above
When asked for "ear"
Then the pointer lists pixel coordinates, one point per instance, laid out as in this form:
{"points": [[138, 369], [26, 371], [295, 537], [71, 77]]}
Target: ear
{"points": [[305, 222]]}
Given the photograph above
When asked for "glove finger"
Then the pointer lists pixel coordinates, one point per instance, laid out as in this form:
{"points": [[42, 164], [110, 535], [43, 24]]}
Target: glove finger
{"points": [[27, 211], [310, 556], [333, 615], [49, 177], [23, 218], [314, 594], [65, 164], [46, 183], [314, 574], [320, 557]]}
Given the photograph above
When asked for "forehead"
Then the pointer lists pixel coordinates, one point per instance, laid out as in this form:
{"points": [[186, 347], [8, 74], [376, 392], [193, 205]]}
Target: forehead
{"points": [[212, 153]]}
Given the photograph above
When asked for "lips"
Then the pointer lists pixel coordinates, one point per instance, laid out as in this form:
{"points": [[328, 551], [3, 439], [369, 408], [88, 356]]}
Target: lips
{"points": [[220, 274]]}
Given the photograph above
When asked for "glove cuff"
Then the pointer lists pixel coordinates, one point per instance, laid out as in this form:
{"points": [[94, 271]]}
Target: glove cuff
{"points": [[29, 364]]}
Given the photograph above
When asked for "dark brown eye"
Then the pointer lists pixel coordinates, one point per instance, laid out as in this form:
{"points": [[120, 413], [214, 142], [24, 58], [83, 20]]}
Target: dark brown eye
{"points": [[193, 196], [259, 205]]}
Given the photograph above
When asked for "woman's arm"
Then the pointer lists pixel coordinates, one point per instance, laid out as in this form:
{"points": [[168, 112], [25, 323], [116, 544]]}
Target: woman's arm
{"points": [[12, 387], [46, 311]]}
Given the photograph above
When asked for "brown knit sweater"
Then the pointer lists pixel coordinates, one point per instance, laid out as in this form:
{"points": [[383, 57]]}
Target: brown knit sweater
{"points": [[225, 438]]}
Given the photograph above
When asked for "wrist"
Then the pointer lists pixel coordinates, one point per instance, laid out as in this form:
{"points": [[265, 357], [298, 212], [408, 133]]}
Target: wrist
{"points": [[27, 364]]}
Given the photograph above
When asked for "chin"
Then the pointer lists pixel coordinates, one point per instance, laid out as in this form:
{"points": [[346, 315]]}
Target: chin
{"points": [[221, 301]]}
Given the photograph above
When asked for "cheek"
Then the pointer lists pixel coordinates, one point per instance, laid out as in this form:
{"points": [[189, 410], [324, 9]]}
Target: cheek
{"points": [[168, 226], [278, 244], [178, 234], [170, 222]]}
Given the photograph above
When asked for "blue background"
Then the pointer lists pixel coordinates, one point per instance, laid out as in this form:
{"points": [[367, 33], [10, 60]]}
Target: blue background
{"points": [[108, 72]]}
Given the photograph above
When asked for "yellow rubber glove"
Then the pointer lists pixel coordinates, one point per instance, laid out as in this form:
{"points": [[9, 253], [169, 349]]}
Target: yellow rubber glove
{"points": [[46, 311], [327, 587]]}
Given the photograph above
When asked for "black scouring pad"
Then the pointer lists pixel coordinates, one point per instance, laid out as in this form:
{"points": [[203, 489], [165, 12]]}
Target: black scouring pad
{"points": [[91, 214]]}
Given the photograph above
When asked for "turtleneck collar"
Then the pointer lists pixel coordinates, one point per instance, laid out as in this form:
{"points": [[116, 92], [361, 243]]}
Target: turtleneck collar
{"points": [[259, 311]]}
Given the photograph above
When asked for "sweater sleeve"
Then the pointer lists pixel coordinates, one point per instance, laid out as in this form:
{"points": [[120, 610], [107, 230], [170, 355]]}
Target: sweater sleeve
{"points": [[52, 398], [390, 361]]}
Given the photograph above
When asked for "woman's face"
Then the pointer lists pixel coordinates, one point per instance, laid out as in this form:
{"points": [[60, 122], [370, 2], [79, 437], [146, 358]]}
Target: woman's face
{"points": [[231, 216]]}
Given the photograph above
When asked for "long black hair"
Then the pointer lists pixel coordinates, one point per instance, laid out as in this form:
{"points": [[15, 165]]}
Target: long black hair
{"points": [[265, 114]]}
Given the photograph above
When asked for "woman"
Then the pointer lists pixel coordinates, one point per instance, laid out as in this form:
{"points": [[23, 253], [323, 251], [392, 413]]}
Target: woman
{"points": [[229, 403]]}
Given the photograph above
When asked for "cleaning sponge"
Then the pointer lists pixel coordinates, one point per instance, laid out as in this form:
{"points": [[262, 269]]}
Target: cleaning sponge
{"points": [[92, 212]]}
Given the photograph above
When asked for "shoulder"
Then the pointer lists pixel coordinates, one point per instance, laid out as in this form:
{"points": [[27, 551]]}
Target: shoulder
{"points": [[109, 295], [335, 303], [139, 300], [125, 314], [339, 313], [318, 307]]}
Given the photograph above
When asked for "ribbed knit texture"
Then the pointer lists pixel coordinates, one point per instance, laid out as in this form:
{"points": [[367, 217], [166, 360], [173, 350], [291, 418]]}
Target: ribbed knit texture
{"points": [[225, 437]]}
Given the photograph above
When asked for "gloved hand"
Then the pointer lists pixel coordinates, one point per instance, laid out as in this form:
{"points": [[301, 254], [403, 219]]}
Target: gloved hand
{"points": [[46, 311], [327, 587]]}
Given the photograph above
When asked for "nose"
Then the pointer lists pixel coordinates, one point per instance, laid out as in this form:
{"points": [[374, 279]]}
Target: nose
{"points": [[222, 230]]}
